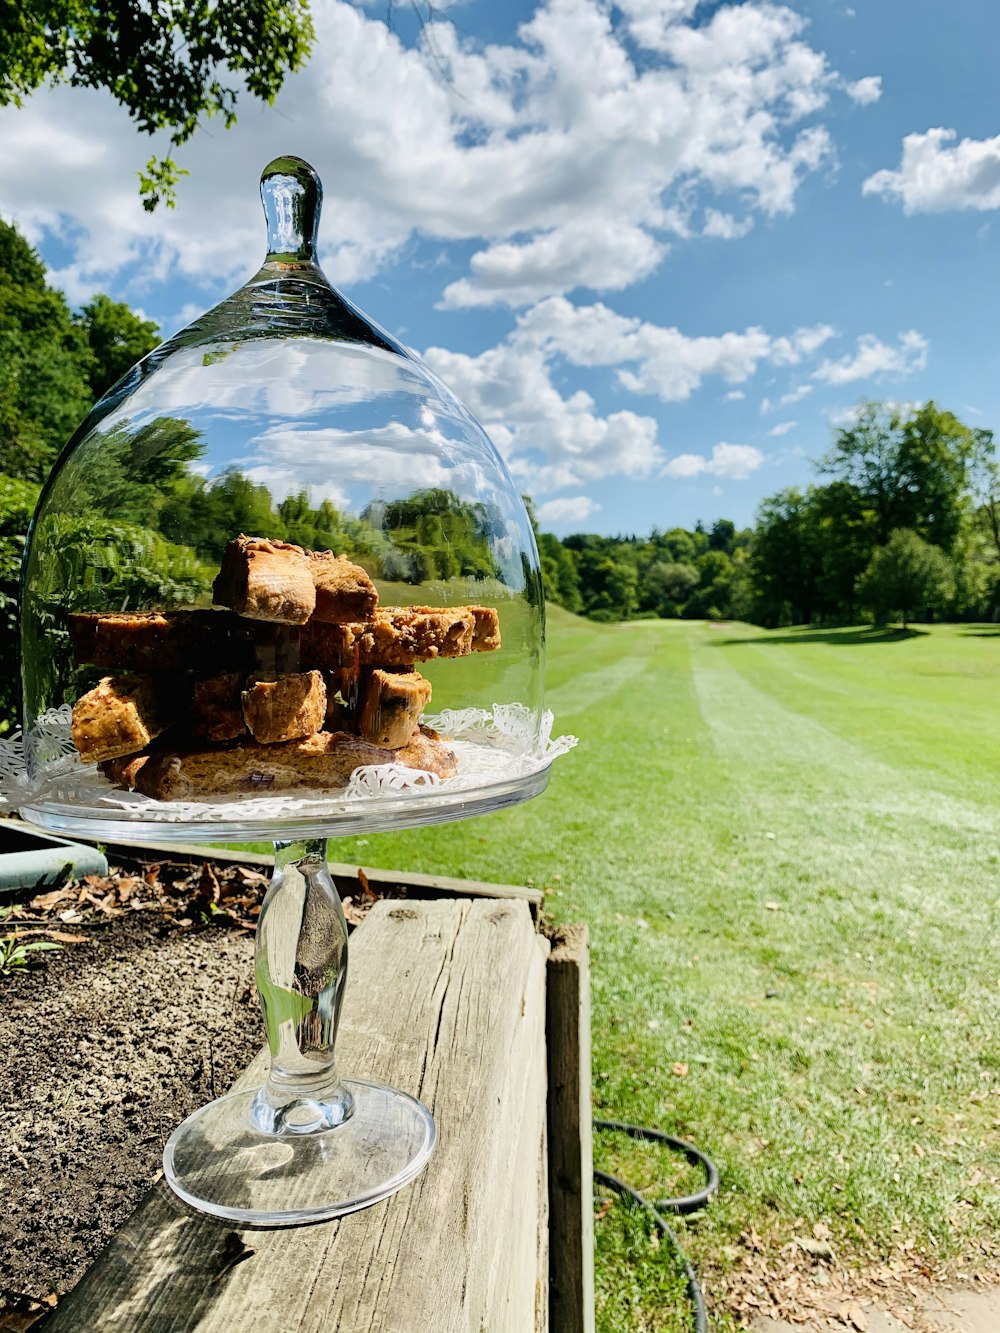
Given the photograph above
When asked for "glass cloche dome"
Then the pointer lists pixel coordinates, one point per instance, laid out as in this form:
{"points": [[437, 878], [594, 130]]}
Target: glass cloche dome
{"points": [[280, 582]]}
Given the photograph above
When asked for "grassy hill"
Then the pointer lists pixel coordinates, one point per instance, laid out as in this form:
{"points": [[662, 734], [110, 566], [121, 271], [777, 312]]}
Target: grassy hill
{"points": [[786, 845]]}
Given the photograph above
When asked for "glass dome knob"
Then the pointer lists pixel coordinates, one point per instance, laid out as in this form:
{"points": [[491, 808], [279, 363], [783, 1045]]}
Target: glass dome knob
{"points": [[292, 194]]}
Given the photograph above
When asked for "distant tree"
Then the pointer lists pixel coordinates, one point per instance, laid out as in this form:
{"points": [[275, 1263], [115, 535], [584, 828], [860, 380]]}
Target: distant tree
{"points": [[905, 576], [722, 536], [984, 483], [910, 469], [786, 559], [17, 504], [677, 544], [710, 600], [45, 363], [170, 64], [559, 573], [842, 532], [609, 584], [668, 585], [117, 338]]}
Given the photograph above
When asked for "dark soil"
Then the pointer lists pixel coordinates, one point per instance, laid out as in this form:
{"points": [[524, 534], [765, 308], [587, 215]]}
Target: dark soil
{"points": [[107, 1045]]}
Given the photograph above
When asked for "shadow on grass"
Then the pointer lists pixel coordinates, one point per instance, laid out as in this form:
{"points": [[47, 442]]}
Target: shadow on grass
{"points": [[836, 638], [980, 632]]}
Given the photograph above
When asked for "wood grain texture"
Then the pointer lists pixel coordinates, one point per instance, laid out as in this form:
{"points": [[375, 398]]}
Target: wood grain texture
{"points": [[571, 1142], [445, 1000]]}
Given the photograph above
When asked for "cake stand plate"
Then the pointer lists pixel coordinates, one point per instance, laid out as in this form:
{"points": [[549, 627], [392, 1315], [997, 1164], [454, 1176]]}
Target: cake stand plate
{"points": [[219, 1163]]}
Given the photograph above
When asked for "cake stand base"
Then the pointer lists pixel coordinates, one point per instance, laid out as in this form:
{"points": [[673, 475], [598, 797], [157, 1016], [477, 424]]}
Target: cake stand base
{"points": [[217, 1162]]}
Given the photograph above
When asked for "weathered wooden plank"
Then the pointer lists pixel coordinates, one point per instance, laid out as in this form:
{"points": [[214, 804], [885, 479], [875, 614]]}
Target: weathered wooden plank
{"points": [[571, 1148], [446, 1000], [542, 1257]]}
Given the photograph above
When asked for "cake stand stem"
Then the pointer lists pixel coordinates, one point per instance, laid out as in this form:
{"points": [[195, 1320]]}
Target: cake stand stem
{"points": [[307, 1145], [300, 970]]}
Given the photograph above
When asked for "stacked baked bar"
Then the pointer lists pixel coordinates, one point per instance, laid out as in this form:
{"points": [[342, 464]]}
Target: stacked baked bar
{"points": [[298, 680]]}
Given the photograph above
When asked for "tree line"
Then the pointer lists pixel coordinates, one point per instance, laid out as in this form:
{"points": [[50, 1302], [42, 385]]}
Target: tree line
{"points": [[905, 525]]}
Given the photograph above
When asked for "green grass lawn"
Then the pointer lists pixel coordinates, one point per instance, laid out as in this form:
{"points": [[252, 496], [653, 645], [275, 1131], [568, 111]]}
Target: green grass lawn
{"points": [[786, 845]]}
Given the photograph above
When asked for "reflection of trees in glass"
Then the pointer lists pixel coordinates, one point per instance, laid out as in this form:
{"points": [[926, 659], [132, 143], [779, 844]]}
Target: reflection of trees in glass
{"points": [[440, 535], [143, 476], [17, 504], [129, 473], [84, 563]]}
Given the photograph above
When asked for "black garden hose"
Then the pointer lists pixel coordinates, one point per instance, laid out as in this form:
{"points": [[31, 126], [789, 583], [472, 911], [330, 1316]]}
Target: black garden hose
{"points": [[687, 1204]]}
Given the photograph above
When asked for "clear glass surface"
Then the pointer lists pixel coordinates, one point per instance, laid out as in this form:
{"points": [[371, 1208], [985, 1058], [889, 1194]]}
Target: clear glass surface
{"points": [[307, 1145], [286, 414], [216, 1162]]}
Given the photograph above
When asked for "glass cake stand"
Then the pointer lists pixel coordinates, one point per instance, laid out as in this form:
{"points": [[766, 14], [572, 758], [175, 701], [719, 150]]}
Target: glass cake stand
{"points": [[309, 1144], [283, 405]]}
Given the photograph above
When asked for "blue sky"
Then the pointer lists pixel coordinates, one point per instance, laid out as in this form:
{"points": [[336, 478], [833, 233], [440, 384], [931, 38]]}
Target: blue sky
{"points": [[660, 248]]}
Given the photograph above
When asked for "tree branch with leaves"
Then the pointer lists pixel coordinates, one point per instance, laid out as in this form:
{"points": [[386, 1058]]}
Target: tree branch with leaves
{"points": [[170, 63]]}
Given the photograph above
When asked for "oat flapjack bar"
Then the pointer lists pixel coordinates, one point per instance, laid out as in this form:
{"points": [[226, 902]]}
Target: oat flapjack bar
{"points": [[391, 704], [147, 641], [344, 592], [286, 708], [119, 716], [266, 580]]}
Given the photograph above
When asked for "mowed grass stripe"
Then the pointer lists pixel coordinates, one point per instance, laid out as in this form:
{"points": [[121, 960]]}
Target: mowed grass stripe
{"points": [[817, 1007], [915, 702]]}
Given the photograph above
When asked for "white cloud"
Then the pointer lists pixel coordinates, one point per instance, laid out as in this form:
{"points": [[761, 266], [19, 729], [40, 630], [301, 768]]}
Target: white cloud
{"points": [[570, 509], [935, 178], [782, 428], [655, 359], [806, 341], [573, 160], [592, 252], [734, 462], [875, 358], [650, 21], [787, 399], [552, 439], [735, 396], [865, 91], [548, 441], [724, 226]]}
